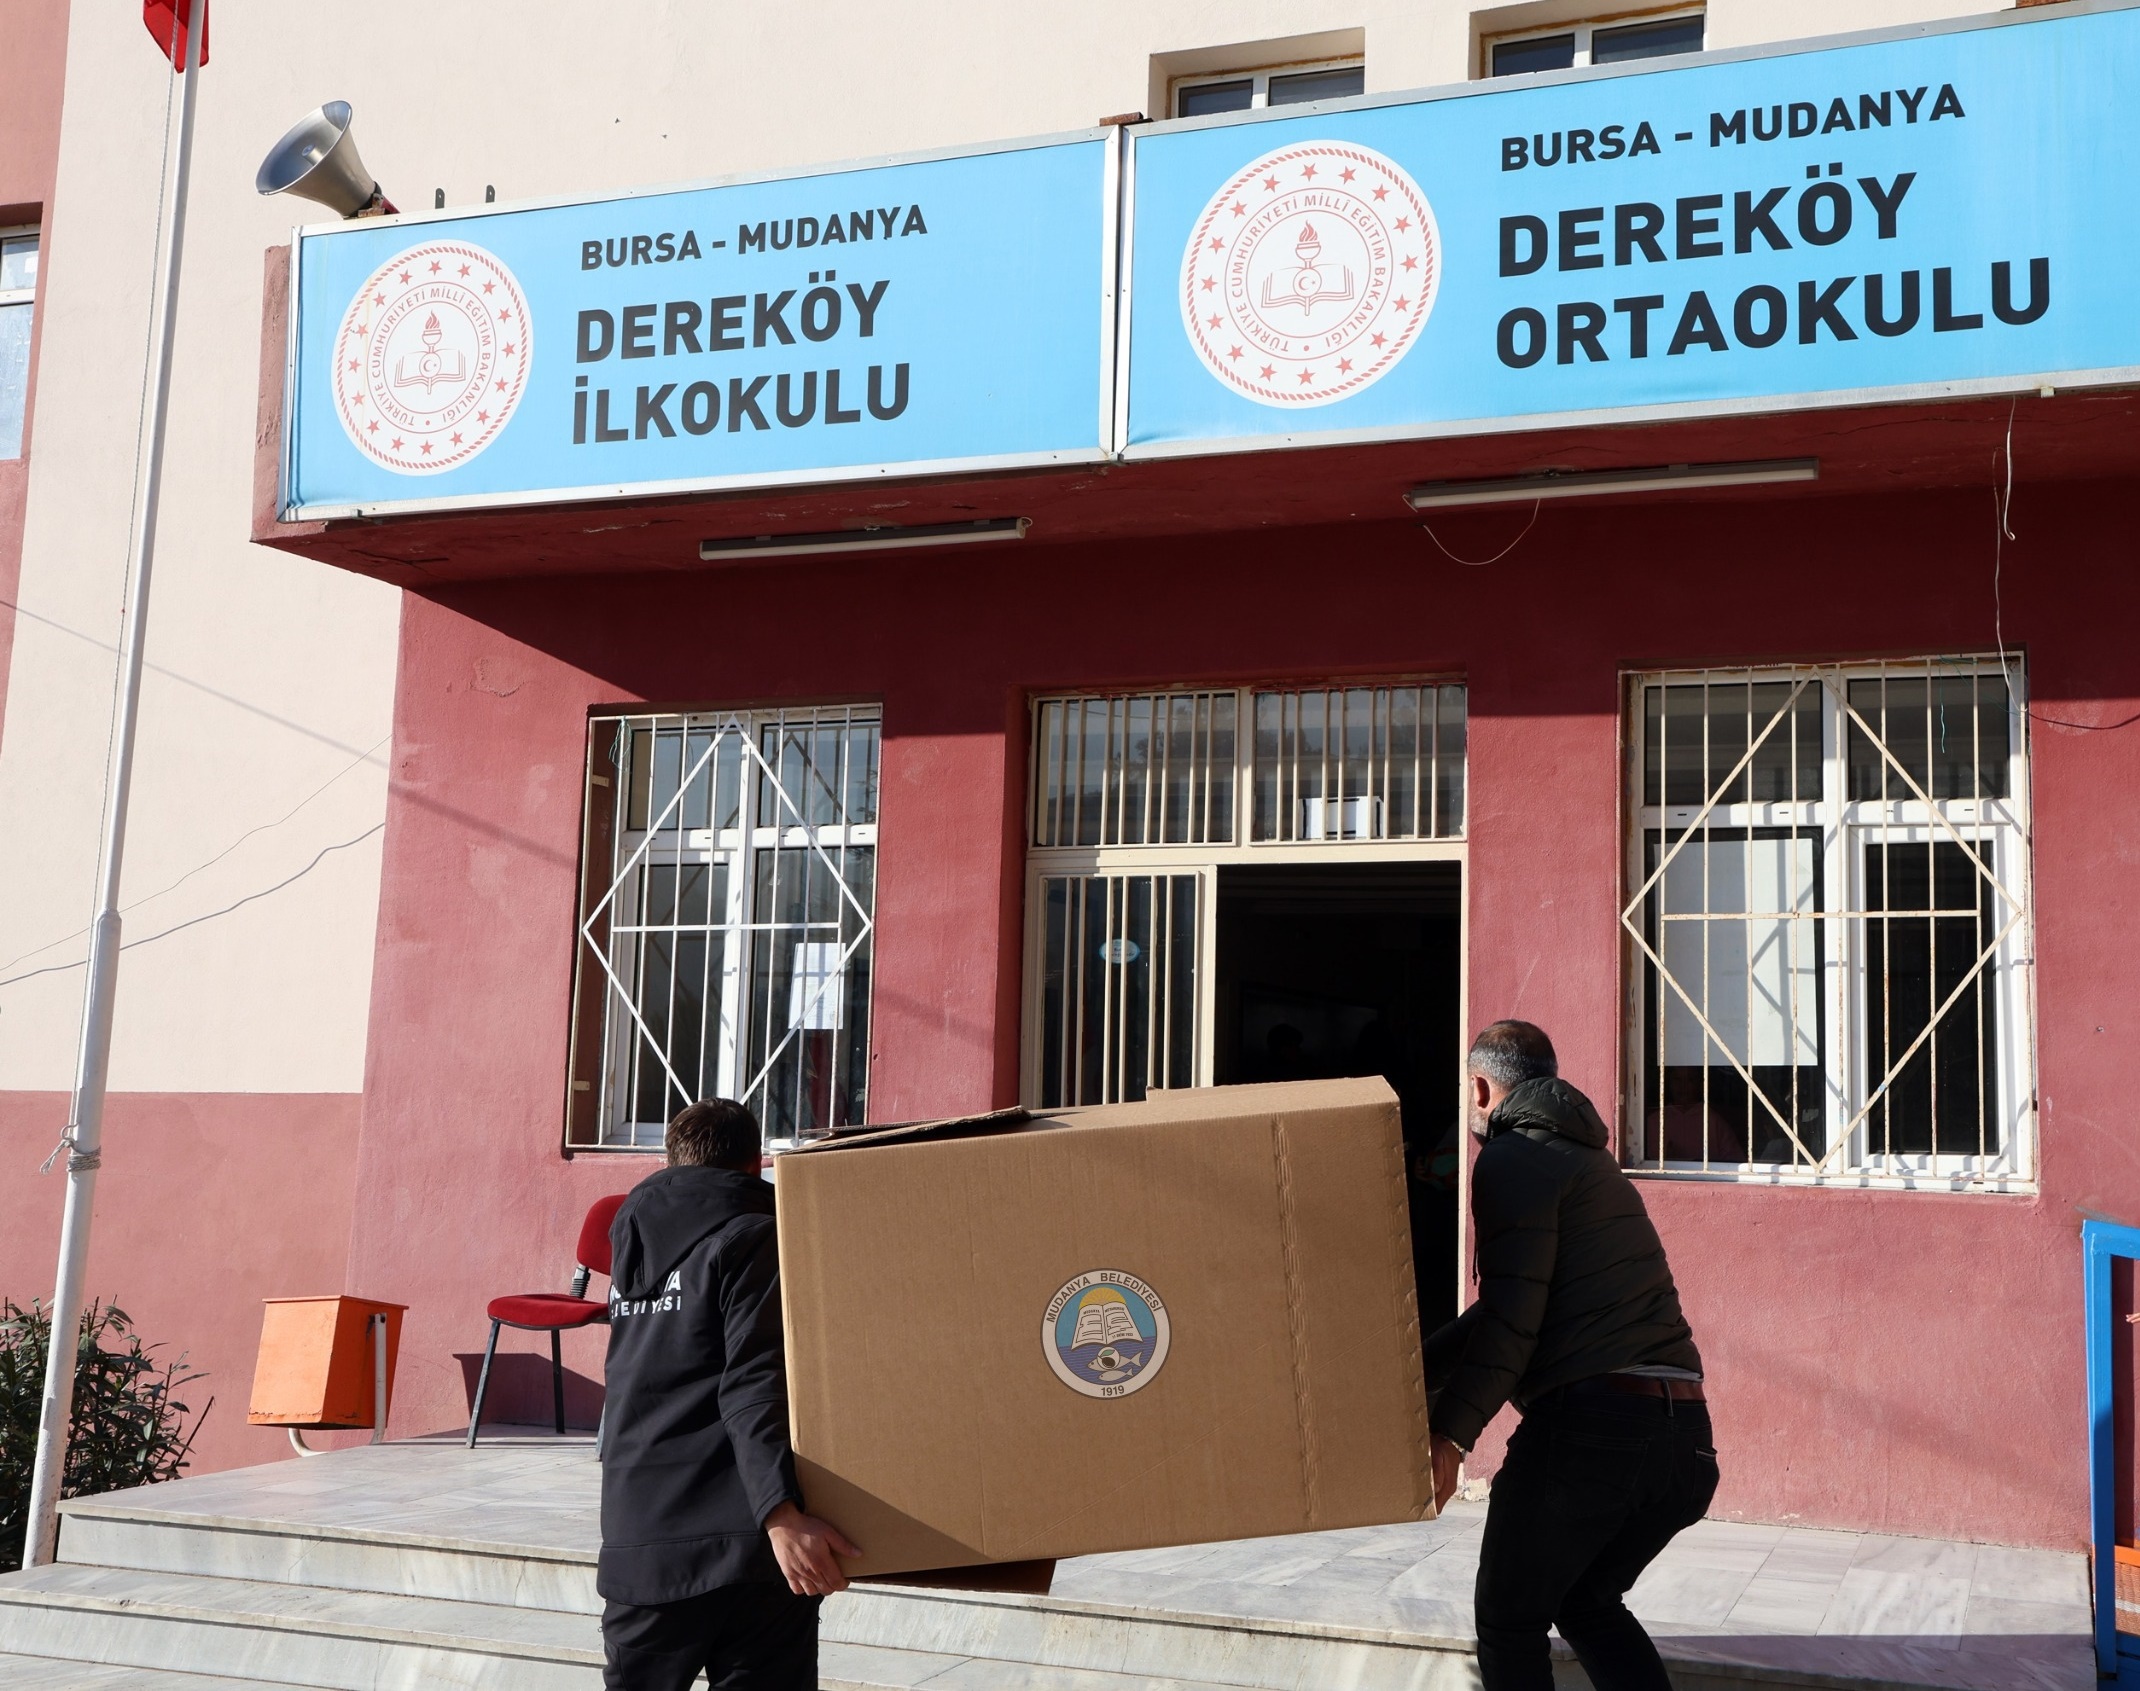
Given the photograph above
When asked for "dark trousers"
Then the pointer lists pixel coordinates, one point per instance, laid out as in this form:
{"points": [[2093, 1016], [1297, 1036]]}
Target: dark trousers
{"points": [[744, 1638], [1594, 1486]]}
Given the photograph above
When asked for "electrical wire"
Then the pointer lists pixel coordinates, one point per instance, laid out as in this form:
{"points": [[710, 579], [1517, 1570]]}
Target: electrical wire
{"points": [[2002, 508], [1481, 563], [198, 868], [208, 916]]}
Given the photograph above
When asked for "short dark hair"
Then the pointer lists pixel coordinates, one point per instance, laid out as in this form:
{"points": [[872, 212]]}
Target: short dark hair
{"points": [[715, 1133], [1510, 1053]]}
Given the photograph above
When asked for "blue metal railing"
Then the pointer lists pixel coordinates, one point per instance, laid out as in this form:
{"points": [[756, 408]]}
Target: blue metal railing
{"points": [[2117, 1658]]}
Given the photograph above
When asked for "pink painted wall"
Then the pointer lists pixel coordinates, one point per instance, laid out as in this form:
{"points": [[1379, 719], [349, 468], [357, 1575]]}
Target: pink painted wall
{"points": [[208, 1203], [1902, 1362]]}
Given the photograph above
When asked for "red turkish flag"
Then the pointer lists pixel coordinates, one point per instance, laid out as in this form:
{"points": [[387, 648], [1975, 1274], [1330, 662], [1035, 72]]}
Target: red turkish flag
{"points": [[167, 21]]}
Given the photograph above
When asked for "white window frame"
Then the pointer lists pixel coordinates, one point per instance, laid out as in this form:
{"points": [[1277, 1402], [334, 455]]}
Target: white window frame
{"points": [[1203, 861], [1995, 829], [665, 842], [1583, 30], [14, 232], [27, 298], [1260, 79]]}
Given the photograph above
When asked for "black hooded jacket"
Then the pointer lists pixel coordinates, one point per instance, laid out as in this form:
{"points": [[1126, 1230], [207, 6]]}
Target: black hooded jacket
{"points": [[1573, 1281], [695, 1433]]}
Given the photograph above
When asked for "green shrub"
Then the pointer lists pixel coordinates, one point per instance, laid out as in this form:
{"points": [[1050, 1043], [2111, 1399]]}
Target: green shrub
{"points": [[128, 1427]]}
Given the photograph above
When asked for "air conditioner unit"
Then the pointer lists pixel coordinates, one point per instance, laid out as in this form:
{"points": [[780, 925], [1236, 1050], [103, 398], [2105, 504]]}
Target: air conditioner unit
{"points": [[1341, 819]]}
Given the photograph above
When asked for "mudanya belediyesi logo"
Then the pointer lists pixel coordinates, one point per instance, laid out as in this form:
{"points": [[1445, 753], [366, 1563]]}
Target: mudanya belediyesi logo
{"points": [[1105, 1333]]}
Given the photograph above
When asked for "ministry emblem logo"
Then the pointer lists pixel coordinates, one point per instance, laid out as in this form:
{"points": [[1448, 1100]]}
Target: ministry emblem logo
{"points": [[1310, 274], [432, 357], [1105, 1334]]}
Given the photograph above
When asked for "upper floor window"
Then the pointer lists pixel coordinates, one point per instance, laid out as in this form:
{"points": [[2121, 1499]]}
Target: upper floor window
{"points": [[1829, 921], [1288, 85], [1572, 46], [727, 907], [18, 294]]}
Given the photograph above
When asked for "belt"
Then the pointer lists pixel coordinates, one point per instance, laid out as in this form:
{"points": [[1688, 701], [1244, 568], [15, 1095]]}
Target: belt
{"points": [[1642, 1385]]}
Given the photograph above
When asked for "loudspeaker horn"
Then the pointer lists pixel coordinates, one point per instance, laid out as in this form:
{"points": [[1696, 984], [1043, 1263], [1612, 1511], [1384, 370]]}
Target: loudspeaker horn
{"points": [[318, 160]]}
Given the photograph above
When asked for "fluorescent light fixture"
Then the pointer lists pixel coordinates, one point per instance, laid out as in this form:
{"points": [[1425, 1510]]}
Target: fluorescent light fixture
{"points": [[1579, 484], [887, 539]]}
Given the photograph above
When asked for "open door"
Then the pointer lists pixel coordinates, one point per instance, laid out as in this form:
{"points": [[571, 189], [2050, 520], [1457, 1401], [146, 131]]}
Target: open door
{"points": [[1328, 969]]}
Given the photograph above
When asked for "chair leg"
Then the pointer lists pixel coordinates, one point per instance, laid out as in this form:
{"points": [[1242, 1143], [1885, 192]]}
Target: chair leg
{"points": [[557, 1378], [475, 1415]]}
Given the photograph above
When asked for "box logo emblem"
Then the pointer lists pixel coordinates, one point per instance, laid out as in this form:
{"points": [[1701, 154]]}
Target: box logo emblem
{"points": [[1105, 1334], [1310, 274], [432, 358]]}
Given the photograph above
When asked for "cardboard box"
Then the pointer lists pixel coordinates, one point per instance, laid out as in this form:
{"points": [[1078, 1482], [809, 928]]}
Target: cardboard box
{"points": [[1019, 1336], [316, 1367]]}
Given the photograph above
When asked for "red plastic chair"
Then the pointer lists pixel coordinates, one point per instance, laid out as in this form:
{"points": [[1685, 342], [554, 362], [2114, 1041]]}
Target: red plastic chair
{"points": [[553, 1312]]}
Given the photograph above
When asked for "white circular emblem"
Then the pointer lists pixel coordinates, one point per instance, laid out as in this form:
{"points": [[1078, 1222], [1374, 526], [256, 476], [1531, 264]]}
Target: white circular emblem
{"points": [[1310, 273], [432, 357], [1105, 1333]]}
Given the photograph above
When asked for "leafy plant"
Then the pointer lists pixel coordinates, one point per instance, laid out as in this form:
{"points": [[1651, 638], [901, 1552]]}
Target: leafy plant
{"points": [[128, 1427]]}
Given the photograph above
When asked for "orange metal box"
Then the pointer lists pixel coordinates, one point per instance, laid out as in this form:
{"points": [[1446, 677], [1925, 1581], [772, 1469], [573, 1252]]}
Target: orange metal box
{"points": [[315, 1367]]}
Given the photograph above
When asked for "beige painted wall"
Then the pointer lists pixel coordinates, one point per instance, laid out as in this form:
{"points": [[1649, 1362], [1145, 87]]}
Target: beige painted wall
{"points": [[269, 697]]}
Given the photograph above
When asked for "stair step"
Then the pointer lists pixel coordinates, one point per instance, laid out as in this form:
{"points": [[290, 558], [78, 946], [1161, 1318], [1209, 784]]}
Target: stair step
{"points": [[256, 1630], [863, 1667], [162, 1540], [47, 1673], [1007, 1635]]}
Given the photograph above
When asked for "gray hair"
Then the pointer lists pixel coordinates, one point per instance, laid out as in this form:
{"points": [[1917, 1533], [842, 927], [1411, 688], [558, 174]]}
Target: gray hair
{"points": [[1510, 1053]]}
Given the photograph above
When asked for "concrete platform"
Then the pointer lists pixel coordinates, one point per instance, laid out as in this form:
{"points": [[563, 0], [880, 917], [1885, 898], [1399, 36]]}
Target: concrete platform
{"points": [[426, 1564]]}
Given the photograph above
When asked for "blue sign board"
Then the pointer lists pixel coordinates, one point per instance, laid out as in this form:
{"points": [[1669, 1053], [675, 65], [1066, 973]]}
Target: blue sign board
{"points": [[906, 318], [1933, 212]]}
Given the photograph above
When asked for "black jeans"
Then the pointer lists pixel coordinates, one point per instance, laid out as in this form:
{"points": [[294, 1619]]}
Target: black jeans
{"points": [[1594, 1486], [745, 1638]]}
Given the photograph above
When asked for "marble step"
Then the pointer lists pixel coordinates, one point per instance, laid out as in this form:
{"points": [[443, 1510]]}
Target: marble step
{"points": [[114, 1534], [45, 1673], [1038, 1635], [1031, 1633], [262, 1585], [862, 1667], [293, 1635]]}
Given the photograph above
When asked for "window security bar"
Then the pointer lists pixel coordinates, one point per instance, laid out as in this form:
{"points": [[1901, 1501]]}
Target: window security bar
{"points": [[1831, 918], [1984, 955], [635, 861], [1335, 764], [726, 921], [1118, 1011], [1637, 903]]}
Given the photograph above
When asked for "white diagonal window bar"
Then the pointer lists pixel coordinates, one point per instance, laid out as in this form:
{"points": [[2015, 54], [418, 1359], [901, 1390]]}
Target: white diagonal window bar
{"points": [[1829, 924], [727, 896]]}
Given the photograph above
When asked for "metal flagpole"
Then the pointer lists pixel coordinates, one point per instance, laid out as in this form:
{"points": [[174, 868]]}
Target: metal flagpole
{"points": [[85, 1130]]}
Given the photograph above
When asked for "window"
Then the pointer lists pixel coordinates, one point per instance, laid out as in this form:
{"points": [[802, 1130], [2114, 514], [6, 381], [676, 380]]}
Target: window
{"points": [[1241, 91], [1829, 921], [1359, 763], [18, 293], [726, 913], [1574, 45], [1137, 797]]}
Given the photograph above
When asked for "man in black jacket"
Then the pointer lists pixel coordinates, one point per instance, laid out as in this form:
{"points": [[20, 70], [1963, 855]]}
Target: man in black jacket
{"points": [[707, 1561], [1578, 1324]]}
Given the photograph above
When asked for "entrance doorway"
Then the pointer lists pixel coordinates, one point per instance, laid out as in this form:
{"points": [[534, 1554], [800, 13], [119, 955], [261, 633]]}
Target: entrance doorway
{"points": [[1329, 969]]}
